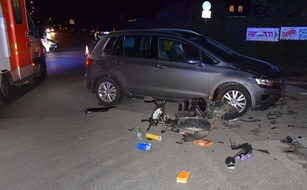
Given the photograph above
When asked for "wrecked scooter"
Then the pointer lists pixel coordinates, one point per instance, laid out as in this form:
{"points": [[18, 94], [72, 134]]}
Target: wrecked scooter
{"points": [[192, 120]]}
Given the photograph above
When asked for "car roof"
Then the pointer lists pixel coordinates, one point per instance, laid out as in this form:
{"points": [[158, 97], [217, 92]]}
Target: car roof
{"points": [[180, 32]]}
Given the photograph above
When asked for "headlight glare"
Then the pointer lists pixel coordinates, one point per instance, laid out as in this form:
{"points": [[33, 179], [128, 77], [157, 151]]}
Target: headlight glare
{"points": [[264, 82]]}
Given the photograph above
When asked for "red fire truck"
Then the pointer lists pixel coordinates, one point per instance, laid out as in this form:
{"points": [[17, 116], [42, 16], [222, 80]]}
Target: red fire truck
{"points": [[22, 59]]}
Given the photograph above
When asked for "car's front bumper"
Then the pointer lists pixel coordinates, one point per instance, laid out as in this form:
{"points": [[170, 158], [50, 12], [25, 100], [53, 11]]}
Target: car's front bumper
{"points": [[267, 97]]}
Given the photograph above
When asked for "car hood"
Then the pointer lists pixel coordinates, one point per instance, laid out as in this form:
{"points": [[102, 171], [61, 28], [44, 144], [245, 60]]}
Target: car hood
{"points": [[256, 66]]}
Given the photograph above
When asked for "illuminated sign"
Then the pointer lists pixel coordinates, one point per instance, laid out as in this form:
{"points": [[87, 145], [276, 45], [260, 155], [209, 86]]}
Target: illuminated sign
{"points": [[262, 34], [206, 13], [293, 33]]}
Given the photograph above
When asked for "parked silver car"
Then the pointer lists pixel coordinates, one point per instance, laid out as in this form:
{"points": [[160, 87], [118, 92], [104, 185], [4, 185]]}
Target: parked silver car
{"points": [[178, 64]]}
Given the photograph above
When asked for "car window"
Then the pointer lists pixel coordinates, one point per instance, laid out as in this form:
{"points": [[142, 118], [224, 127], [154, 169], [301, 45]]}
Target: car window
{"points": [[31, 26], [133, 46], [207, 59], [174, 50], [118, 48], [109, 45], [215, 47]]}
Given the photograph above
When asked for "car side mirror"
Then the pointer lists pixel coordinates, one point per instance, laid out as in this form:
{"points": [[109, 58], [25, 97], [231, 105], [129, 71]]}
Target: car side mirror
{"points": [[195, 61]]}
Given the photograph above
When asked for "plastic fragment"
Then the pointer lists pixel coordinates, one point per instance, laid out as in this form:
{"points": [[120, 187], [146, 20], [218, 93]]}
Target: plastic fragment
{"points": [[183, 177]]}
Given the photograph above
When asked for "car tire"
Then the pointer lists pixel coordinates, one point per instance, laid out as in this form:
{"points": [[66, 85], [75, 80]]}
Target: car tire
{"points": [[43, 71], [107, 92], [238, 97], [4, 91]]}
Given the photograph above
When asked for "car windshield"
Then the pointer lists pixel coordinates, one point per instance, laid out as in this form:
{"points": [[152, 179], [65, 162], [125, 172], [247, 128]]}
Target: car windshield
{"points": [[216, 48]]}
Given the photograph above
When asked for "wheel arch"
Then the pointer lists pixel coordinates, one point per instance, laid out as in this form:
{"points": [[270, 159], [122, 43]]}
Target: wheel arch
{"points": [[40, 67], [110, 76], [6, 75], [4, 97], [227, 84]]}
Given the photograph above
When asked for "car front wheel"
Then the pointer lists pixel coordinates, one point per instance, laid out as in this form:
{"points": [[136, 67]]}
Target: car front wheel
{"points": [[107, 92], [238, 97]]}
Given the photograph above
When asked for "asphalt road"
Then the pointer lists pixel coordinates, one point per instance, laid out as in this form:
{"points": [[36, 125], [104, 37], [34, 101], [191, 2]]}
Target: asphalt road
{"points": [[47, 142]]}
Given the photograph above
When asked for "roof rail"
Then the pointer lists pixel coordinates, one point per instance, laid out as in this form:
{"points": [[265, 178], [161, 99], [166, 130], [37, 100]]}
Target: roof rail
{"points": [[176, 30]]}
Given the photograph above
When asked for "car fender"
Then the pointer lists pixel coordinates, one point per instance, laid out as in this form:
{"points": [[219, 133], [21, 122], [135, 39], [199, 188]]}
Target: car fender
{"points": [[111, 76], [214, 91]]}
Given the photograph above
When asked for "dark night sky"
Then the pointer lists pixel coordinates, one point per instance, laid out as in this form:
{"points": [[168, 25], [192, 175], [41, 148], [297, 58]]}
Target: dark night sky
{"points": [[96, 11]]}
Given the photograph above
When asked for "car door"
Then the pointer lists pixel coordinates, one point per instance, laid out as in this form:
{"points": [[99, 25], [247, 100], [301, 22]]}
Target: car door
{"points": [[175, 77], [131, 64]]}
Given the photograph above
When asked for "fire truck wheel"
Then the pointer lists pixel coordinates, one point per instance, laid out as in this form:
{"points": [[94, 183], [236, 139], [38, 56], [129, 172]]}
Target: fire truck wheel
{"points": [[5, 90]]}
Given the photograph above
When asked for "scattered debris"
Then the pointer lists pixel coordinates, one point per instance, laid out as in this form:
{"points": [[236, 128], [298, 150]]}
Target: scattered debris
{"points": [[205, 143], [246, 149], [233, 123], [291, 112], [274, 122], [230, 162], [183, 177], [292, 143], [256, 131], [234, 120], [153, 137], [99, 109], [144, 146], [297, 126], [179, 142], [243, 154], [250, 119], [138, 132], [273, 115]]}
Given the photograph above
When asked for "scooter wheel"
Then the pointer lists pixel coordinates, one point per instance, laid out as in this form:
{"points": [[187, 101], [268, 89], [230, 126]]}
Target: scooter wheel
{"points": [[194, 125]]}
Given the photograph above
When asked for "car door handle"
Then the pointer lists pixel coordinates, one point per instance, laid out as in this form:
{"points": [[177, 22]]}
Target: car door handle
{"points": [[160, 66], [117, 62]]}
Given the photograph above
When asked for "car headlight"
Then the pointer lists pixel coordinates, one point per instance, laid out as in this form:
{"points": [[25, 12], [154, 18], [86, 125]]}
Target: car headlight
{"points": [[264, 82]]}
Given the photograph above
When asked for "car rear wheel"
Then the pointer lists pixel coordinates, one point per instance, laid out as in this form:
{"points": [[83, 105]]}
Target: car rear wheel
{"points": [[107, 92], [238, 97]]}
